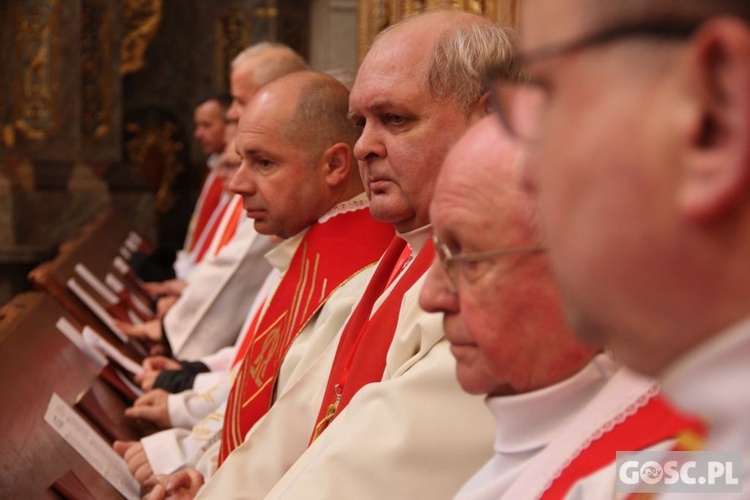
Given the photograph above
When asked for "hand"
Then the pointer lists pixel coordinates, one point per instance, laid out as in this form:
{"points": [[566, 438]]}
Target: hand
{"points": [[151, 407], [135, 457], [150, 330], [168, 287], [152, 367], [164, 304], [181, 485]]}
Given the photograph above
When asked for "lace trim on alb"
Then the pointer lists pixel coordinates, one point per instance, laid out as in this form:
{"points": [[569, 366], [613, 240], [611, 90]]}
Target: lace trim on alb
{"points": [[621, 416], [352, 205]]}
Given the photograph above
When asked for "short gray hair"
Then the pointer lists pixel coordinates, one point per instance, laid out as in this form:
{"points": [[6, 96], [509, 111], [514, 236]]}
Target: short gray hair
{"points": [[463, 58]]}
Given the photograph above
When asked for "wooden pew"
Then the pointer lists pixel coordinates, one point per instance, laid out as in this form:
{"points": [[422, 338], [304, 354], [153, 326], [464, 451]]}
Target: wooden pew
{"points": [[35, 361], [96, 246]]}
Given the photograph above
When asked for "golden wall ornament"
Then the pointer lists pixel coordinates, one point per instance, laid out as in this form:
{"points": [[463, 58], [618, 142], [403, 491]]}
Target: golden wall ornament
{"points": [[141, 19], [36, 87], [232, 36], [153, 150], [96, 101], [376, 15]]}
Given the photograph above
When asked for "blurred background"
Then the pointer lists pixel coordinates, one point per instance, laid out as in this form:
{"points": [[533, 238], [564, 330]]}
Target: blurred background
{"points": [[97, 99]]}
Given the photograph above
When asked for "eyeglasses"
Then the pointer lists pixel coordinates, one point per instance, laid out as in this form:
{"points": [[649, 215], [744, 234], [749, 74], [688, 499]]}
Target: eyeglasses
{"points": [[450, 262], [520, 105]]}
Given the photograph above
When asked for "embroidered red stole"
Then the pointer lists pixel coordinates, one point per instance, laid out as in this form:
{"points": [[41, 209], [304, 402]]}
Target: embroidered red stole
{"points": [[207, 203], [361, 355], [653, 423], [329, 254]]}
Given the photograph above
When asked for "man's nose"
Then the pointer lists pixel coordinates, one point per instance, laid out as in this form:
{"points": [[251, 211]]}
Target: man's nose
{"points": [[370, 145], [436, 294]]}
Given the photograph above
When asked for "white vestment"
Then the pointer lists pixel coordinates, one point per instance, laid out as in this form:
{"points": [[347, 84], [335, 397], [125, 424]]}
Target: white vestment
{"points": [[709, 382], [527, 423], [205, 318], [177, 448], [416, 434]]}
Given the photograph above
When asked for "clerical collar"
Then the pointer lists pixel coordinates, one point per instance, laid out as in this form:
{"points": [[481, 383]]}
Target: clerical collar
{"points": [[530, 421], [359, 202], [213, 160], [281, 256], [417, 238]]}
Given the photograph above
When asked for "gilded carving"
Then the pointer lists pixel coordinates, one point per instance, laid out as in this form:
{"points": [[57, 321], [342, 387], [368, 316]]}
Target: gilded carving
{"points": [[375, 15], [96, 32], [36, 87], [9, 136], [232, 36], [153, 150], [141, 19], [266, 12]]}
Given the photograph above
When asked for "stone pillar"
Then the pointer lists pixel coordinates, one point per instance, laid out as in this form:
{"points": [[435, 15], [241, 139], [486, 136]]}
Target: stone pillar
{"points": [[334, 34]]}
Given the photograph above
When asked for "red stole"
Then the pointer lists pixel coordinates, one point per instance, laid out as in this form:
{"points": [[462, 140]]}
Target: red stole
{"points": [[653, 423], [329, 254], [207, 203], [211, 233], [361, 355], [230, 229]]}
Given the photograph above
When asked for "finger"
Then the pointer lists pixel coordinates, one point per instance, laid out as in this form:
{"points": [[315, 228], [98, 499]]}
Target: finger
{"points": [[133, 451], [140, 412], [121, 447], [187, 479], [143, 472], [148, 383], [157, 492]]}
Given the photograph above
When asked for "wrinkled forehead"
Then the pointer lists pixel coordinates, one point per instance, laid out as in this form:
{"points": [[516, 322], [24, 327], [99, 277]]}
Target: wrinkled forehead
{"points": [[393, 77]]}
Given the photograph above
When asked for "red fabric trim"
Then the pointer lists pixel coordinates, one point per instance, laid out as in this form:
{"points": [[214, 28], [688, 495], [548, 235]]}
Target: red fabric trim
{"points": [[653, 423], [329, 254]]}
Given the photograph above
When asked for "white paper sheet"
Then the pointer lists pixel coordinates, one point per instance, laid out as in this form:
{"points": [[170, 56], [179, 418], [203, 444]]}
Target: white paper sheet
{"points": [[72, 334], [97, 309], [94, 339], [95, 450], [118, 286], [95, 283]]}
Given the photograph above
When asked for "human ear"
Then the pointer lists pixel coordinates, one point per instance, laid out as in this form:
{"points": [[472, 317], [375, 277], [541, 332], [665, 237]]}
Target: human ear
{"points": [[716, 173], [481, 108], [337, 164]]}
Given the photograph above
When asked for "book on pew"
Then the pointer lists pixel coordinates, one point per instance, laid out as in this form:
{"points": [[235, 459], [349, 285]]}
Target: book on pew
{"points": [[91, 446], [115, 305], [120, 371], [101, 312], [106, 410], [133, 281], [70, 487]]}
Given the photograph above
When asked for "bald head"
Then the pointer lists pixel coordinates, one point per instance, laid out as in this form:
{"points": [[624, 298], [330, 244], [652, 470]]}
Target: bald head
{"points": [[502, 312], [316, 107], [480, 178], [255, 67]]}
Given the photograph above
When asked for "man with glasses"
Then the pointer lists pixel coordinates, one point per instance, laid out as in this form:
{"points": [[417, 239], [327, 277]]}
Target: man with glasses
{"points": [[638, 152], [502, 314]]}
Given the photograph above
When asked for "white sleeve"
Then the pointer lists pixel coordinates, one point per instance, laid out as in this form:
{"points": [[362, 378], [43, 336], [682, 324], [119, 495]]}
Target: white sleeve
{"points": [[187, 408], [173, 449]]}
